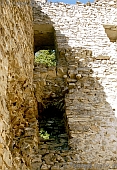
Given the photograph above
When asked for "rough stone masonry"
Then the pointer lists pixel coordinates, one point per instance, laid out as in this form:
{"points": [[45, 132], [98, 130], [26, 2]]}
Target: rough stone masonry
{"points": [[85, 43], [18, 111], [85, 40]]}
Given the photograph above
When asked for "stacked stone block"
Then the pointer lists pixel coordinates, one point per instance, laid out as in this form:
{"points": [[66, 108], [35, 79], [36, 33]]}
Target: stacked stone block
{"points": [[85, 76], [87, 66], [18, 108]]}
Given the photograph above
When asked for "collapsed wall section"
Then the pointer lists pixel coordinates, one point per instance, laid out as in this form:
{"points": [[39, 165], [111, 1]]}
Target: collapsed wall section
{"points": [[18, 104]]}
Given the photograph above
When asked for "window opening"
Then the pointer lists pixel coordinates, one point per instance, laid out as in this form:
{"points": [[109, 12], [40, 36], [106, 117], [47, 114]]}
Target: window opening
{"points": [[44, 45]]}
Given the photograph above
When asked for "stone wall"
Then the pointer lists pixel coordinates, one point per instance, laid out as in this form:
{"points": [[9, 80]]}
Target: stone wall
{"points": [[5, 154], [85, 76], [18, 106], [86, 53]]}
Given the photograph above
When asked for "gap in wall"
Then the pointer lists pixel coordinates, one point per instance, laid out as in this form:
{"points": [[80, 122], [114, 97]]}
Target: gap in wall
{"points": [[52, 119], [53, 133]]}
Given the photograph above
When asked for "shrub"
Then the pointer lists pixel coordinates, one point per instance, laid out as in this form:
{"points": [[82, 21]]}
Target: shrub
{"points": [[46, 57]]}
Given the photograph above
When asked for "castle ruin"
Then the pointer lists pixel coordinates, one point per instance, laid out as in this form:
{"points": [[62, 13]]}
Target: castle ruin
{"points": [[81, 89]]}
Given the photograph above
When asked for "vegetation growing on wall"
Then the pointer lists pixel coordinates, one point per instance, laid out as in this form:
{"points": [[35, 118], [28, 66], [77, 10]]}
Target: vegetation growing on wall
{"points": [[44, 134], [46, 57]]}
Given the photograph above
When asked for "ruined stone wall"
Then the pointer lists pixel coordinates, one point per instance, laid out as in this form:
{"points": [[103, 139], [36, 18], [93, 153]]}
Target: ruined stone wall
{"points": [[86, 47], [18, 123], [85, 38], [5, 154]]}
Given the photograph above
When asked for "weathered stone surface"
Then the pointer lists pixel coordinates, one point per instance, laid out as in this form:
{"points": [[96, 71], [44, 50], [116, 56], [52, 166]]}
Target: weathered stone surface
{"points": [[55, 167], [86, 65], [16, 91], [85, 76], [45, 167]]}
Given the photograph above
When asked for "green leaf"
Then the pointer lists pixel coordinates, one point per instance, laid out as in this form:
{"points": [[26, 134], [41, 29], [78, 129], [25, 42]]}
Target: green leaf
{"points": [[44, 134], [46, 57]]}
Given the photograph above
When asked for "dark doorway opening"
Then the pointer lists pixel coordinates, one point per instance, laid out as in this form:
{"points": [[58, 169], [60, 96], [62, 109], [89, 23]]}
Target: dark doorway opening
{"points": [[52, 128]]}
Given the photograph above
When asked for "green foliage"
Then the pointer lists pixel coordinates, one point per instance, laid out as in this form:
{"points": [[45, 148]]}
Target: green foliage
{"points": [[44, 134], [46, 57]]}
